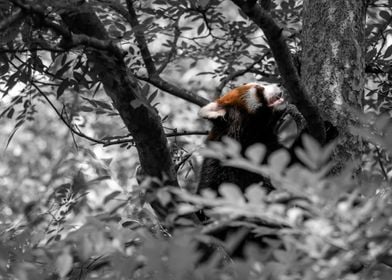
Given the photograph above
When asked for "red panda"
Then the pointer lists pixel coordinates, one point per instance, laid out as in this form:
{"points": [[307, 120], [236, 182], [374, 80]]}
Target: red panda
{"points": [[249, 114]]}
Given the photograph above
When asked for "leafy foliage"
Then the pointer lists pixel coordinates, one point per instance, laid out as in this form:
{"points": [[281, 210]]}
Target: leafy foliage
{"points": [[73, 210]]}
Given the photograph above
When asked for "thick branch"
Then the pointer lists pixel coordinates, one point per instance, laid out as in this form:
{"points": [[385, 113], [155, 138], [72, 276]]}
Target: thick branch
{"points": [[140, 118], [286, 67], [107, 63]]}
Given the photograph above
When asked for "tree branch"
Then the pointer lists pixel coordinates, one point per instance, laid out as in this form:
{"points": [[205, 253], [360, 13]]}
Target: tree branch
{"points": [[174, 90], [153, 74], [107, 62], [236, 74], [141, 41], [60, 115], [172, 52], [172, 134], [286, 67]]}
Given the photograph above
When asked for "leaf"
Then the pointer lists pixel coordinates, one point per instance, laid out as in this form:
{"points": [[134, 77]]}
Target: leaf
{"points": [[62, 87], [279, 160], [312, 147], [232, 193], [255, 194], [131, 224], [233, 148], [152, 96], [62, 70], [10, 113], [86, 109], [10, 138], [4, 68], [13, 79], [305, 159], [78, 77], [164, 197], [64, 263], [385, 15], [256, 153], [103, 104], [111, 196], [92, 102], [120, 26], [200, 29], [388, 52]]}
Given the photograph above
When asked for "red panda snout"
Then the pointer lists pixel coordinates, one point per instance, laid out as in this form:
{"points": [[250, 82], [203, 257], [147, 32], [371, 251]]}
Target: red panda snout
{"points": [[273, 95]]}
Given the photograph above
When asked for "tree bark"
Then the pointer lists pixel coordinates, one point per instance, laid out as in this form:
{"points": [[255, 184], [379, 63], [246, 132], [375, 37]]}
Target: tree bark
{"points": [[142, 121], [333, 64], [283, 58]]}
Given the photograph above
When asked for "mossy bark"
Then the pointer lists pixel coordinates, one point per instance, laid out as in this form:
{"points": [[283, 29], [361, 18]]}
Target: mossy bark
{"points": [[333, 64]]}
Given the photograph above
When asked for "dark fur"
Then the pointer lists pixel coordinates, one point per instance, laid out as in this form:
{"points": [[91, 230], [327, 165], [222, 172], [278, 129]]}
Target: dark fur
{"points": [[247, 129]]}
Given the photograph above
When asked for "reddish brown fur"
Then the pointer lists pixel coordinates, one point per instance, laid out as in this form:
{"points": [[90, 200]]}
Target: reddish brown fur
{"points": [[235, 97], [245, 126]]}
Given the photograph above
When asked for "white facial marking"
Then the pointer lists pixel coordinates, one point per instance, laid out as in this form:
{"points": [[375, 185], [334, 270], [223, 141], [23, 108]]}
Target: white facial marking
{"points": [[271, 91], [212, 111], [251, 100], [272, 94]]}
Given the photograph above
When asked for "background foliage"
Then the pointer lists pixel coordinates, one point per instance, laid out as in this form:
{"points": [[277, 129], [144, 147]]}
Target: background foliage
{"points": [[71, 206]]}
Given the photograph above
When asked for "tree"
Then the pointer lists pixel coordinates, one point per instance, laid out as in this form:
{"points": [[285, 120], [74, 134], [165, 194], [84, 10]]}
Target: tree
{"points": [[131, 63], [336, 70]]}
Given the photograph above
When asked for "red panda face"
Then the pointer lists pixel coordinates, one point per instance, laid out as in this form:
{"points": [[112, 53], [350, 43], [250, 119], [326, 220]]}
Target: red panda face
{"points": [[248, 98]]}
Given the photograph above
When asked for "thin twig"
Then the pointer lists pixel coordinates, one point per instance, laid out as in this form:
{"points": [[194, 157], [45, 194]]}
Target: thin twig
{"points": [[383, 169], [153, 74], [73, 130], [236, 74]]}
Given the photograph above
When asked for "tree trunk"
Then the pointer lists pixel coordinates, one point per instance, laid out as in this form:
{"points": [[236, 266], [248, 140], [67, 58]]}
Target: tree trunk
{"points": [[298, 94], [333, 64], [142, 121]]}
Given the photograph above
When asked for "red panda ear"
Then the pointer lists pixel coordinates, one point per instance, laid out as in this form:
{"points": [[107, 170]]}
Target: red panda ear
{"points": [[212, 111]]}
